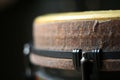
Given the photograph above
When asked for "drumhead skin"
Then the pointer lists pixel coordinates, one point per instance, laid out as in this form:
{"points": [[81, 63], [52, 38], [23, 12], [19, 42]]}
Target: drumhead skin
{"points": [[87, 15], [76, 30]]}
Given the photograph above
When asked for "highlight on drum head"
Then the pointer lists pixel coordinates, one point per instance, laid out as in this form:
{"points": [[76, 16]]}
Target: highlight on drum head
{"points": [[85, 15]]}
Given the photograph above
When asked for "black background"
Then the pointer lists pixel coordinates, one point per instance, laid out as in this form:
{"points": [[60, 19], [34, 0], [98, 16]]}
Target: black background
{"points": [[16, 27]]}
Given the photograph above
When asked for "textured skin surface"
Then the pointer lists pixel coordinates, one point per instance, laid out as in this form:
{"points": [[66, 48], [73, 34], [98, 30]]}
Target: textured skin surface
{"points": [[86, 35]]}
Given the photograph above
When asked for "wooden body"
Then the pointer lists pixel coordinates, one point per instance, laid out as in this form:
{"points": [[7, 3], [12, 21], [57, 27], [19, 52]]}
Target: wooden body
{"points": [[84, 30], [67, 64]]}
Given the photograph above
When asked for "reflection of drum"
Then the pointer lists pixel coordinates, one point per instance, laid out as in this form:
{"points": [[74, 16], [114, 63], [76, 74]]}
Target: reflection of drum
{"points": [[56, 35]]}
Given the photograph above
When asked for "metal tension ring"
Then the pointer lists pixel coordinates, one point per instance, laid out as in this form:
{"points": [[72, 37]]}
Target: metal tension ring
{"points": [[81, 61]]}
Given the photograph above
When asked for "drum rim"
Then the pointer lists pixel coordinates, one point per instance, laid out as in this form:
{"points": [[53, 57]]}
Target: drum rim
{"points": [[85, 15]]}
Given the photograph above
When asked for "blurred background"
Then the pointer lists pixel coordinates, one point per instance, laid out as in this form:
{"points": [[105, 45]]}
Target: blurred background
{"points": [[16, 20]]}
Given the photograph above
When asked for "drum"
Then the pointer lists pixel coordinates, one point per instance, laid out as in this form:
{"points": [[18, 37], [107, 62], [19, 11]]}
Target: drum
{"points": [[77, 46]]}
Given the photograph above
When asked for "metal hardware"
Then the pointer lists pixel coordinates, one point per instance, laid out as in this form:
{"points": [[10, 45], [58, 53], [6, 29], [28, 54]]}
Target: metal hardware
{"points": [[53, 53], [76, 58], [26, 49], [28, 68], [84, 63], [69, 54], [84, 67], [91, 64]]}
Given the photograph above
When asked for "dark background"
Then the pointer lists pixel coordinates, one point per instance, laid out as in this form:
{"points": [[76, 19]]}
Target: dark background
{"points": [[16, 20]]}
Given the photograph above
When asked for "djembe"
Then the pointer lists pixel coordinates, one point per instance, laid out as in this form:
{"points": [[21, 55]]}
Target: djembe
{"points": [[71, 46]]}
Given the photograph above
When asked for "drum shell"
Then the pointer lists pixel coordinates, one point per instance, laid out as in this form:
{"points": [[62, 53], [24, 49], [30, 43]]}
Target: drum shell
{"points": [[85, 34]]}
